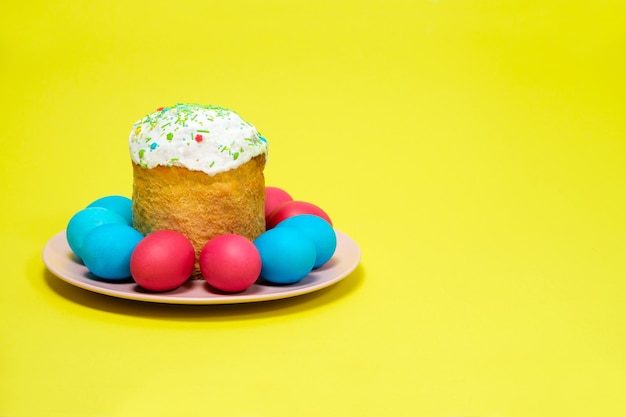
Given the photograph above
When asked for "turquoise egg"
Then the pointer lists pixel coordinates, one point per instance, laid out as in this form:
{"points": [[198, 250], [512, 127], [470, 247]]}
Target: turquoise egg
{"points": [[117, 203], [107, 250], [287, 255], [319, 231], [84, 221]]}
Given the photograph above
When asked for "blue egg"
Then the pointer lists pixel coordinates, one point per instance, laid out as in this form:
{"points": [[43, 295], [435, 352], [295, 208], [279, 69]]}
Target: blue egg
{"points": [[287, 255], [107, 250], [117, 203], [84, 221], [319, 231]]}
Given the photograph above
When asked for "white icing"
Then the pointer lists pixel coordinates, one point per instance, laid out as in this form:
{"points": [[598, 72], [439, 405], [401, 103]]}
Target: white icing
{"points": [[198, 137]]}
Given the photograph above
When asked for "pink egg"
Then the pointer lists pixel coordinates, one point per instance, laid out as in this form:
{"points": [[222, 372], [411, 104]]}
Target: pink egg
{"points": [[230, 263], [274, 197], [162, 261], [295, 208]]}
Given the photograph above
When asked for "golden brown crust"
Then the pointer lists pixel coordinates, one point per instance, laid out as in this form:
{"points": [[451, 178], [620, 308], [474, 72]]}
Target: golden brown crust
{"points": [[199, 205]]}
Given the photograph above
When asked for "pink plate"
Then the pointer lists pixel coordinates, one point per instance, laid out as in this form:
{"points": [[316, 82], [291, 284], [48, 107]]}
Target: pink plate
{"points": [[60, 260]]}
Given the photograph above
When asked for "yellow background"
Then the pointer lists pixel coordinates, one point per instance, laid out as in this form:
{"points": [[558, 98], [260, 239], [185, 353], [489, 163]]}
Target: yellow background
{"points": [[473, 149]]}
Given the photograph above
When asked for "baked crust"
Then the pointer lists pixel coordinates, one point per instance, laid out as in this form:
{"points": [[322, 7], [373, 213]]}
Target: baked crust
{"points": [[199, 205]]}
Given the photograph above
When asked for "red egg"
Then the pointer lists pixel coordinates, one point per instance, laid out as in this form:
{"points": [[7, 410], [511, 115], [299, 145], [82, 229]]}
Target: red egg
{"points": [[230, 263], [274, 197], [295, 208], [162, 261]]}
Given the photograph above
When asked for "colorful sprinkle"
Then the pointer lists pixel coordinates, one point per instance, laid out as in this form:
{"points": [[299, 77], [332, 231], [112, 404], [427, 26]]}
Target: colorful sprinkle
{"points": [[226, 140]]}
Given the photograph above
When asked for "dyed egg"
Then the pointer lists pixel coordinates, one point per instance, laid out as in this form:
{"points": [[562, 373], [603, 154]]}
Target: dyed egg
{"points": [[118, 204], [162, 261], [319, 231], [86, 220], [274, 197], [230, 263], [107, 250], [287, 255], [294, 208]]}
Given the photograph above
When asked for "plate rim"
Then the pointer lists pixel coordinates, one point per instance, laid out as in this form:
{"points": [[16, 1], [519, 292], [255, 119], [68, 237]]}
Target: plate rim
{"points": [[102, 287]]}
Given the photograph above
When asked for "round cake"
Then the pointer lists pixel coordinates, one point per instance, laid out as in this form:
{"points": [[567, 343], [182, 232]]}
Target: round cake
{"points": [[198, 170]]}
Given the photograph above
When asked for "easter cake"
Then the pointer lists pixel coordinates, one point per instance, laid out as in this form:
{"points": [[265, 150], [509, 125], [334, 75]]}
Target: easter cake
{"points": [[198, 170]]}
